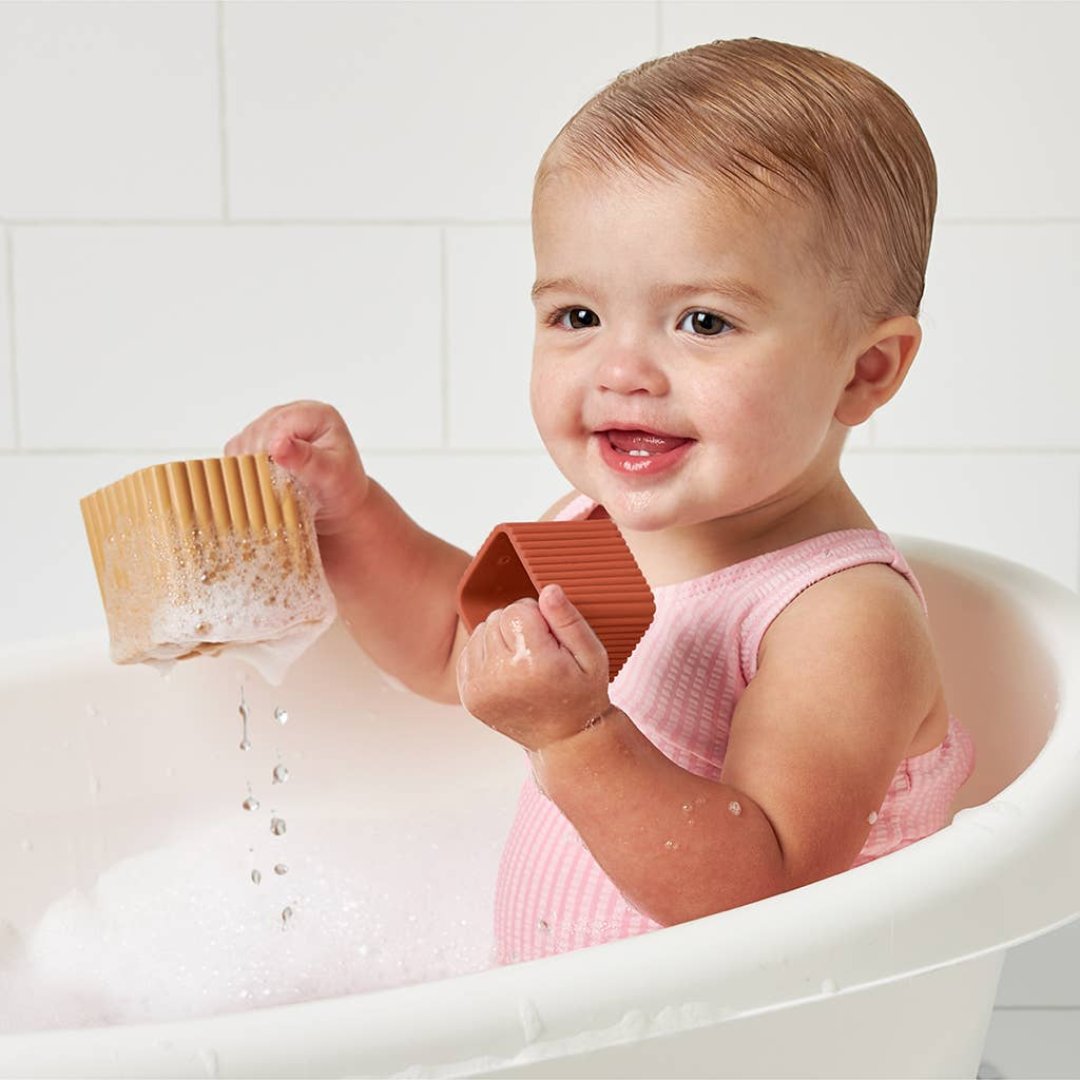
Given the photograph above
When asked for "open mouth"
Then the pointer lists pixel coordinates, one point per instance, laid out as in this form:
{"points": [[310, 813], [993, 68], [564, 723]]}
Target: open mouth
{"points": [[641, 453]]}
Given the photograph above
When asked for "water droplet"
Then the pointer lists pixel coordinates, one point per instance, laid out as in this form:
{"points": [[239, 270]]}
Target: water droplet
{"points": [[670, 845], [281, 774], [281, 715], [243, 710], [687, 807], [286, 915], [277, 826], [734, 807], [256, 876], [251, 803], [872, 817], [280, 868]]}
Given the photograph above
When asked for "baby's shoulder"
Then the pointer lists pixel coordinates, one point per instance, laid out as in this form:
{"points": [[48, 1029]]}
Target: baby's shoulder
{"points": [[858, 598], [866, 619]]}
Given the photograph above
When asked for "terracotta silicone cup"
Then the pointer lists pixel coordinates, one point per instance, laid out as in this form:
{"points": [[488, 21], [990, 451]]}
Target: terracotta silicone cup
{"points": [[163, 537], [589, 559]]}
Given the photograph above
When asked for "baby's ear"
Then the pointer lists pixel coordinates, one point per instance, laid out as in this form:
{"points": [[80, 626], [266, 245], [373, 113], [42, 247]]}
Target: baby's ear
{"points": [[880, 368]]}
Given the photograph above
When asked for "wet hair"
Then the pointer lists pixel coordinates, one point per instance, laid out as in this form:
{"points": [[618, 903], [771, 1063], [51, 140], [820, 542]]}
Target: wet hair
{"points": [[761, 121]]}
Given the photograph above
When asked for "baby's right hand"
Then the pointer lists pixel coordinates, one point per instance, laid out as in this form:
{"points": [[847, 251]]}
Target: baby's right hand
{"points": [[311, 440]]}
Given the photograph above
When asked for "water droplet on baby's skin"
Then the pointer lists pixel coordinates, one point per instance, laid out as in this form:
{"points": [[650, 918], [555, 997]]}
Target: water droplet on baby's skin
{"points": [[256, 876], [281, 774], [280, 868], [686, 808], [277, 826], [872, 817], [670, 845], [281, 715], [734, 807]]}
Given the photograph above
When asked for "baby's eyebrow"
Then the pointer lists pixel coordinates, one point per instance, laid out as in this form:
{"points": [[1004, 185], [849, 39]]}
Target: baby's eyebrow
{"points": [[741, 291]]}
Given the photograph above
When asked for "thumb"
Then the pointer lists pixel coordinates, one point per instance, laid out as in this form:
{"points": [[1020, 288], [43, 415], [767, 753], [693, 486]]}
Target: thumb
{"points": [[290, 452], [570, 627]]}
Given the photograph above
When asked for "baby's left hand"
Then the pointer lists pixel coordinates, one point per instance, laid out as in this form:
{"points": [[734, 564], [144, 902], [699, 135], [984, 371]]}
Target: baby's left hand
{"points": [[534, 670]]}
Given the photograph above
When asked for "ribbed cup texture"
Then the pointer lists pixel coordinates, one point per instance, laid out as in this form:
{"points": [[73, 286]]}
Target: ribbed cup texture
{"points": [[589, 559], [192, 554]]}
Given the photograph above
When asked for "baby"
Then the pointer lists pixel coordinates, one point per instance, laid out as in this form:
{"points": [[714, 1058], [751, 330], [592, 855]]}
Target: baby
{"points": [[730, 246]]}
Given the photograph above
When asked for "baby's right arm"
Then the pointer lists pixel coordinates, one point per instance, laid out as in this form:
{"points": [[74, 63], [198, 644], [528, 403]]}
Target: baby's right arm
{"points": [[394, 582]]}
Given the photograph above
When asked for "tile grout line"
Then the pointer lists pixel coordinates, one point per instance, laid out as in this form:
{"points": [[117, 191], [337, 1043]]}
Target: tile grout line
{"points": [[9, 268], [264, 223], [430, 222], [223, 141]]}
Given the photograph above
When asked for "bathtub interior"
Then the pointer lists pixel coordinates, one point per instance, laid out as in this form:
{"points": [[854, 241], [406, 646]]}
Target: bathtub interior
{"points": [[1001, 677], [105, 763], [396, 800]]}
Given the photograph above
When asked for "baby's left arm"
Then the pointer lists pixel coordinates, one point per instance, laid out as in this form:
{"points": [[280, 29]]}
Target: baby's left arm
{"points": [[845, 676]]}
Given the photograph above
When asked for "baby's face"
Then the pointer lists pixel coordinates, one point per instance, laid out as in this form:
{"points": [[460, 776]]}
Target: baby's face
{"points": [[751, 378]]}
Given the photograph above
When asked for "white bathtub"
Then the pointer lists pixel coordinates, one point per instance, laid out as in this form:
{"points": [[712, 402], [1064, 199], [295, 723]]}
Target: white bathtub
{"points": [[890, 969]]}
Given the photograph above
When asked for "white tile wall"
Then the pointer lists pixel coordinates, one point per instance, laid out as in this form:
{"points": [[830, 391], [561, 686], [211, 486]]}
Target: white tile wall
{"points": [[109, 111], [210, 208], [7, 369], [429, 110], [998, 366], [186, 333], [490, 321]]}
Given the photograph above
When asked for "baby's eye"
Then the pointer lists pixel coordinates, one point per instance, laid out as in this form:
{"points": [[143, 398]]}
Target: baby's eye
{"points": [[556, 317], [708, 323]]}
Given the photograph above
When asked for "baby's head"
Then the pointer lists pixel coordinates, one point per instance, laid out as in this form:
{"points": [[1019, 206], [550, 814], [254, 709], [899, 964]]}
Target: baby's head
{"points": [[776, 127], [796, 172]]}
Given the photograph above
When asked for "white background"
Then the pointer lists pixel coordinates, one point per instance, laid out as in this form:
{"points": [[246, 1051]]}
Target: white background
{"points": [[210, 208]]}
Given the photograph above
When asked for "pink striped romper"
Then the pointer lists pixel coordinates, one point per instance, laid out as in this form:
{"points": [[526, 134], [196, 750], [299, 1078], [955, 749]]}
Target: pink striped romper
{"points": [[680, 687]]}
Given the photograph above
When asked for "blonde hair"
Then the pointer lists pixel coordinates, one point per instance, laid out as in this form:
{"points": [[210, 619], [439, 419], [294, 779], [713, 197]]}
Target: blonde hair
{"points": [[759, 120]]}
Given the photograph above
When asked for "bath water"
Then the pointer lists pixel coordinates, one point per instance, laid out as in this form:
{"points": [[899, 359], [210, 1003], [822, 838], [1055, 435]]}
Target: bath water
{"points": [[352, 905], [182, 931]]}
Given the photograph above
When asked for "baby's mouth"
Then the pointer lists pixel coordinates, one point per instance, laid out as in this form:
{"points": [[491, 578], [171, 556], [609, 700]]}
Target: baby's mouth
{"points": [[635, 443]]}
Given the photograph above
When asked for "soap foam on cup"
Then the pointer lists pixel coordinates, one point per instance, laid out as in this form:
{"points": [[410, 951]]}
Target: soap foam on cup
{"points": [[196, 556]]}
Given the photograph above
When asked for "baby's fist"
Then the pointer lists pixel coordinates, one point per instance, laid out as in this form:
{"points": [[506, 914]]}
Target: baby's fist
{"points": [[534, 671], [312, 441]]}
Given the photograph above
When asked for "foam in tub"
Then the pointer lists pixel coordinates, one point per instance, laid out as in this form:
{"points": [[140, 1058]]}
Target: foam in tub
{"points": [[195, 556]]}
